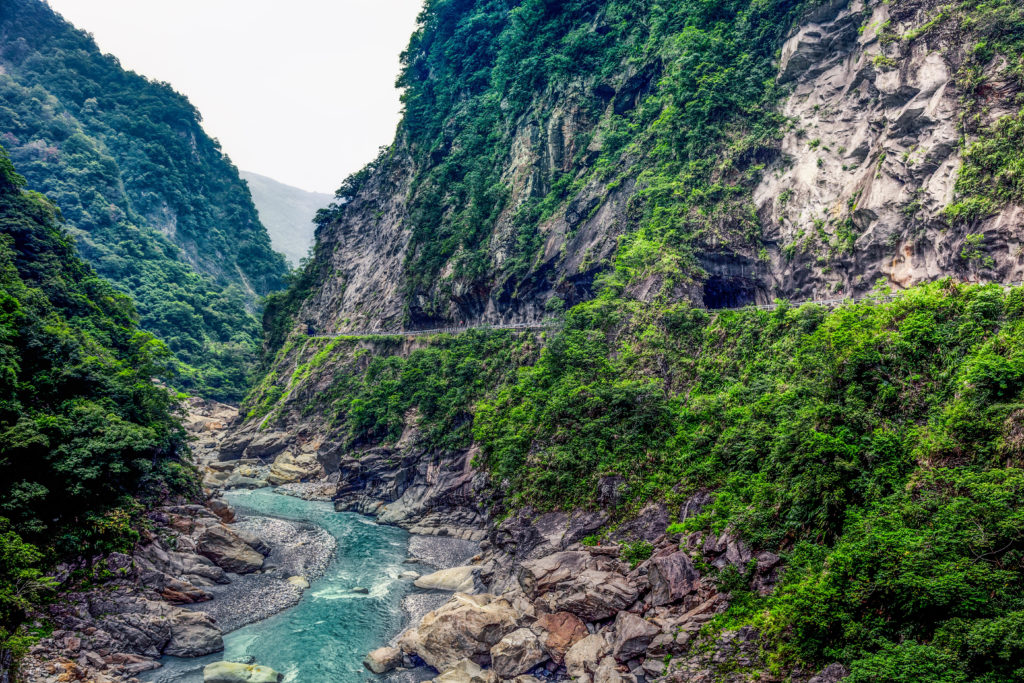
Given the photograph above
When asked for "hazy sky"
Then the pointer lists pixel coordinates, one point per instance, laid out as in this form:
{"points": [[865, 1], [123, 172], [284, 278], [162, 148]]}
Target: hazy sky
{"points": [[301, 91]]}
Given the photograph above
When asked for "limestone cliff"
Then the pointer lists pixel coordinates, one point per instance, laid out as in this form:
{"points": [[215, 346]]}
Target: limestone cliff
{"points": [[852, 189]]}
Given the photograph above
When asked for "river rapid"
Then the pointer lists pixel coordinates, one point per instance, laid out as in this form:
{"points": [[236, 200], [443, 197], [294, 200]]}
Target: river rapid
{"points": [[326, 635]]}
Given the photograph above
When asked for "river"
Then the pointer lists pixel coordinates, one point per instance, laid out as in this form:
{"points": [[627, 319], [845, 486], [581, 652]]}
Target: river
{"points": [[324, 638]]}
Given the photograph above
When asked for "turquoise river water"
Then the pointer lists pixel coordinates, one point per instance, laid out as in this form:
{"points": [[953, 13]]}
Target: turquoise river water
{"points": [[325, 637]]}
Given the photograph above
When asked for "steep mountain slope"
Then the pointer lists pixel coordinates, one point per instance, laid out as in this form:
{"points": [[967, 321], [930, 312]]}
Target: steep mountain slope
{"points": [[155, 205], [86, 437], [790, 491], [577, 124], [287, 212]]}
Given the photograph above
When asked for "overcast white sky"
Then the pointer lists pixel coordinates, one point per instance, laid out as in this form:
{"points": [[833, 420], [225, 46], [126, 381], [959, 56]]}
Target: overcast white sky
{"points": [[301, 91]]}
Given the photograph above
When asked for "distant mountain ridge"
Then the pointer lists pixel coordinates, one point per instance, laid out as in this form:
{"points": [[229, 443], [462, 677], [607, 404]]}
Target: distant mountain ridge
{"points": [[287, 212]]}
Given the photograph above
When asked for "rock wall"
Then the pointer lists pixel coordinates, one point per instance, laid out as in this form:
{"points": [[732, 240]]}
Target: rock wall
{"points": [[872, 156]]}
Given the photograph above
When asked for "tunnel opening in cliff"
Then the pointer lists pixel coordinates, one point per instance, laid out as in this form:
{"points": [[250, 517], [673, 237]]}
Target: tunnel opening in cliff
{"points": [[729, 292]]}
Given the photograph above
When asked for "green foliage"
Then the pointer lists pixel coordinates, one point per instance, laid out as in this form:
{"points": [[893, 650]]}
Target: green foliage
{"points": [[636, 552], [694, 123], [82, 425], [878, 446], [993, 172], [993, 165], [22, 583], [85, 434], [371, 394], [156, 207]]}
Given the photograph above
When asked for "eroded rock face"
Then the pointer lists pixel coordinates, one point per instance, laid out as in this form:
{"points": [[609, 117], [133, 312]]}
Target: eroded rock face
{"points": [[577, 582], [289, 468], [871, 163], [467, 626]]}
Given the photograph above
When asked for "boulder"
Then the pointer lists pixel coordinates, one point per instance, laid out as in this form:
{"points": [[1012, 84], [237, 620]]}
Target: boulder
{"points": [[240, 481], [227, 550], [833, 673], [608, 672], [232, 447], [225, 512], [233, 672], [648, 525], [466, 626], [383, 659], [299, 582], [193, 634], [464, 671], [575, 581], [672, 578], [582, 658], [289, 468], [460, 579], [558, 632], [632, 636], [516, 653], [266, 445]]}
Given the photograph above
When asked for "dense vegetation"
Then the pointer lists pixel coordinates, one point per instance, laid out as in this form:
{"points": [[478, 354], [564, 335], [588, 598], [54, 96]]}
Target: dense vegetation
{"points": [[86, 436], [373, 387], [694, 123], [878, 447], [156, 207]]}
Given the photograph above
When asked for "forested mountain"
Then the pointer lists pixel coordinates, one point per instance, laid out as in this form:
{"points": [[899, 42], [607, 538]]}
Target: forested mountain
{"points": [[843, 479], [154, 204], [287, 212], [86, 436]]}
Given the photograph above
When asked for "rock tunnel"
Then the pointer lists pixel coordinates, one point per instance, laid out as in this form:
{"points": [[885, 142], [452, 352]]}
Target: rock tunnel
{"points": [[729, 292]]}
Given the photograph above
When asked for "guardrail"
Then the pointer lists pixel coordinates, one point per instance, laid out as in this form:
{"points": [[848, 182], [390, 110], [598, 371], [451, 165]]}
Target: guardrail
{"points": [[542, 325], [554, 322]]}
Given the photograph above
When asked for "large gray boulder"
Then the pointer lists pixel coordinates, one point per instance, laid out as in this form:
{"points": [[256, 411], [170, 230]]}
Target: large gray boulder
{"points": [[267, 445], [516, 653], [632, 636], [465, 627], [672, 578], [227, 550], [193, 634], [574, 581], [583, 657], [457, 579]]}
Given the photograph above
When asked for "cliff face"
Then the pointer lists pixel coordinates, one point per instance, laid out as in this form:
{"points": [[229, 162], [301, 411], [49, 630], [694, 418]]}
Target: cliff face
{"points": [[850, 184], [661, 160], [871, 161]]}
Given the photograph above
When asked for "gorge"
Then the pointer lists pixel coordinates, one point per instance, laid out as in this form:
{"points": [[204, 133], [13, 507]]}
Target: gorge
{"points": [[684, 477]]}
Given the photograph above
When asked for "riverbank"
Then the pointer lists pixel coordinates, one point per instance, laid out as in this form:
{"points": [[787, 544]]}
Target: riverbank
{"points": [[363, 598]]}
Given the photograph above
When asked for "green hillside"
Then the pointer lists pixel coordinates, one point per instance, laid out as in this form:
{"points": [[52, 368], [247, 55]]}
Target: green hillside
{"points": [[155, 205], [86, 437]]}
